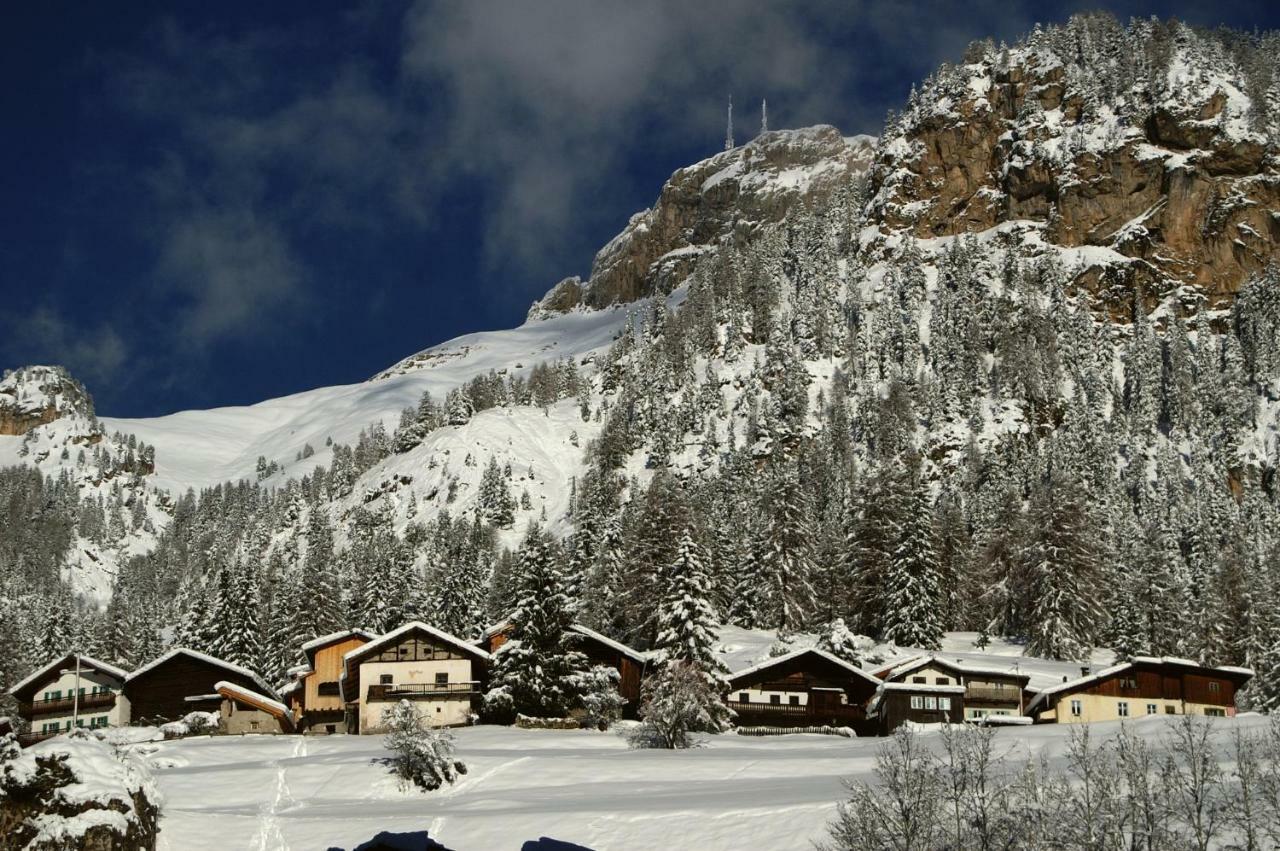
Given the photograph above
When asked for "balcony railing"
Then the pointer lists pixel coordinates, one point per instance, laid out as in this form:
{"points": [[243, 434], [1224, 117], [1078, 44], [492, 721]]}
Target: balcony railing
{"points": [[421, 691], [64, 705], [787, 711], [26, 740], [993, 695]]}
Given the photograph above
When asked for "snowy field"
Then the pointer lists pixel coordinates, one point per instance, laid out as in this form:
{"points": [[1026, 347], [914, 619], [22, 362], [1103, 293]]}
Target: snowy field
{"points": [[578, 787]]}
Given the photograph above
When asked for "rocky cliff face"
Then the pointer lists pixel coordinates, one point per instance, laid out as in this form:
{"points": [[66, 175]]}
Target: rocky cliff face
{"points": [[37, 395], [1142, 140], [729, 195]]}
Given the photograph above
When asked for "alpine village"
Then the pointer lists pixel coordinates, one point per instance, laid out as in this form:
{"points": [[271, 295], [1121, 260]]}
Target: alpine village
{"points": [[911, 491]]}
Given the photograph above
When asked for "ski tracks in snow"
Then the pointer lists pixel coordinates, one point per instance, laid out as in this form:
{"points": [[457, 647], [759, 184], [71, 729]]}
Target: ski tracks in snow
{"points": [[270, 834]]}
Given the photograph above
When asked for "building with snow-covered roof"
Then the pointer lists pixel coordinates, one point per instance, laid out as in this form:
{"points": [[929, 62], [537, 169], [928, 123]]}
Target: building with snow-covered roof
{"points": [[988, 691], [599, 649], [246, 711], [895, 704], [314, 696], [441, 675], [1145, 685], [184, 680], [804, 688], [71, 691]]}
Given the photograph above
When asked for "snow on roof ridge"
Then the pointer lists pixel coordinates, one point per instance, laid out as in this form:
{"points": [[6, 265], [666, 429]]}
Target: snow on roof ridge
{"points": [[962, 667], [624, 649], [250, 696], [335, 636], [956, 689], [411, 625], [112, 670], [799, 652], [204, 657], [1123, 666]]}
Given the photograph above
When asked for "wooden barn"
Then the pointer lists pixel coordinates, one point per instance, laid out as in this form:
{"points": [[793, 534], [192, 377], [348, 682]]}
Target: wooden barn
{"points": [[921, 703], [440, 674], [183, 681], [1145, 685], [804, 688], [600, 649], [314, 696], [988, 691], [71, 691]]}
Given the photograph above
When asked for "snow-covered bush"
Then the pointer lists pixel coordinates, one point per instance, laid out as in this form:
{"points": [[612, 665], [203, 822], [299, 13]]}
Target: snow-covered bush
{"points": [[192, 724], [423, 756], [601, 702], [74, 792], [838, 640], [679, 700], [499, 707]]}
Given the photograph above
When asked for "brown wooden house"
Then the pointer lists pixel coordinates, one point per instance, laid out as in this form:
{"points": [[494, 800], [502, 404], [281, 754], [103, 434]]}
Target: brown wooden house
{"points": [[314, 696], [897, 703], [183, 681], [804, 688], [1145, 685], [441, 675], [600, 650], [988, 691]]}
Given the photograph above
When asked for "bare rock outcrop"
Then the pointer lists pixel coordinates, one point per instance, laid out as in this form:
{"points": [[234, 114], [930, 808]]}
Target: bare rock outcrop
{"points": [[37, 395]]}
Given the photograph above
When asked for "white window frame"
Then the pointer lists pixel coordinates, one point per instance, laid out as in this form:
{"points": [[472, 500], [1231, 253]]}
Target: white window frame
{"points": [[1122, 708], [917, 702], [944, 703], [930, 702], [1077, 708]]}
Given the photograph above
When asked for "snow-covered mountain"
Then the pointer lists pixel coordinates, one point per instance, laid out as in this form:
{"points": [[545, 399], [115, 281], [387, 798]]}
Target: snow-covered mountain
{"points": [[1040, 298]]}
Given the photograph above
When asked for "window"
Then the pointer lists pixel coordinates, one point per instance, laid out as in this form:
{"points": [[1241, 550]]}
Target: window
{"points": [[944, 703], [442, 678], [1152, 709], [1169, 710], [329, 689], [1213, 687], [921, 680], [384, 679], [1076, 709], [930, 702], [1215, 712], [1129, 682], [942, 681], [794, 700], [917, 702], [744, 697], [775, 699], [1122, 709]]}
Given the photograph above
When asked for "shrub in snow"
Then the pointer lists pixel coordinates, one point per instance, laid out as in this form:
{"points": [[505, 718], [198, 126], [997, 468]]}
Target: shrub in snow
{"points": [[601, 702], [192, 724], [423, 756], [679, 700], [840, 642], [499, 707], [74, 792]]}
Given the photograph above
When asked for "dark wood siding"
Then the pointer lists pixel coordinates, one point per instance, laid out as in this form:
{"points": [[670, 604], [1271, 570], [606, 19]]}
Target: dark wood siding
{"points": [[820, 679], [895, 709], [159, 694]]}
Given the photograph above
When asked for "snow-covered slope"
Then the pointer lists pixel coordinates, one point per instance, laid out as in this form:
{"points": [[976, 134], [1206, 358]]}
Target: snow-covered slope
{"points": [[197, 449]]}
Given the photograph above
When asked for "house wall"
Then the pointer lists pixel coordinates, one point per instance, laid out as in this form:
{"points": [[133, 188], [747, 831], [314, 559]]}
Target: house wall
{"points": [[327, 669], [116, 715], [895, 709], [934, 676], [444, 712], [239, 718], [160, 693]]}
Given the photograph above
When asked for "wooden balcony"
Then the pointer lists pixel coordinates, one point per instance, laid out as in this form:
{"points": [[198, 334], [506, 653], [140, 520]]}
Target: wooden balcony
{"points": [[421, 691], [986, 694], [67, 705], [789, 715], [26, 740]]}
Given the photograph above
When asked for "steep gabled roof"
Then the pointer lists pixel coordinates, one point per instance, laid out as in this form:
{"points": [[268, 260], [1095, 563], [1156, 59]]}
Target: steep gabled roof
{"points": [[925, 659], [1229, 671], [207, 659], [62, 661], [778, 660], [316, 644], [617, 646]]}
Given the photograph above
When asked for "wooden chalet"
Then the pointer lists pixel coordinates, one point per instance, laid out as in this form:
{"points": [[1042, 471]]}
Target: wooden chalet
{"points": [[988, 691], [442, 675], [1145, 685], [183, 681], [71, 691], [921, 703], [313, 695], [599, 649], [245, 711], [804, 688]]}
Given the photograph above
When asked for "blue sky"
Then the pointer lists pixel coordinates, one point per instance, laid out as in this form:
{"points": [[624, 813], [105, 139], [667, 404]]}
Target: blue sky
{"points": [[214, 204]]}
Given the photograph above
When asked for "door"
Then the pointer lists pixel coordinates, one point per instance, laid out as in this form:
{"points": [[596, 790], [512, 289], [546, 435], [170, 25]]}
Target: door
{"points": [[824, 704]]}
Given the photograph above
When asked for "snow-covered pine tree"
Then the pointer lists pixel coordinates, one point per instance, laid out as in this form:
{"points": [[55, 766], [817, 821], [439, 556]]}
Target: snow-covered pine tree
{"points": [[495, 502], [538, 671], [786, 561], [687, 622], [912, 615]]}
